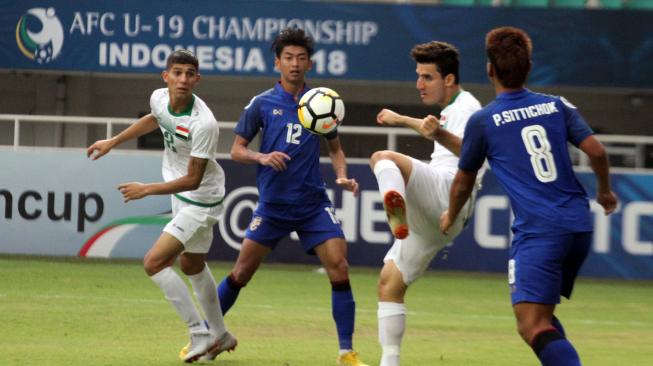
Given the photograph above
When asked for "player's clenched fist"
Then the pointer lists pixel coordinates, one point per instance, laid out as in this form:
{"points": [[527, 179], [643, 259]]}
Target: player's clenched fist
{"points": [[387, 117], [430, 127]]}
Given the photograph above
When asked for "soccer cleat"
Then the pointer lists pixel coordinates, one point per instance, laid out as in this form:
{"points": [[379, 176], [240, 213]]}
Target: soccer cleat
{"points": [[395, 209], [349, 359], [227, 343], [184, 351], [200, 344]]}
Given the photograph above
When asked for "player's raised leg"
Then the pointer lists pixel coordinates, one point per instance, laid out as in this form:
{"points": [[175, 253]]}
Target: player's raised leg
{"points": [[332, 254], [392, 171], [157, 264]]}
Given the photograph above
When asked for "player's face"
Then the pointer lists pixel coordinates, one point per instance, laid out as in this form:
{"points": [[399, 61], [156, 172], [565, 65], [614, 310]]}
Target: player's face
{"points": [[430, 84], [293, 63], [181, 79]]}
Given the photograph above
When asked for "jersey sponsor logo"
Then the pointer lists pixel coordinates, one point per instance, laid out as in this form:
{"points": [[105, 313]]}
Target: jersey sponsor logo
{"points": [[532, 111], [44, 44]]}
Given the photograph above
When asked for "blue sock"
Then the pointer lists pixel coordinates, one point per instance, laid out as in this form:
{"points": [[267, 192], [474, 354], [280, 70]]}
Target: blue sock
{"points": [[228, 291], [553, 349], [558, 326], [343, 308]]}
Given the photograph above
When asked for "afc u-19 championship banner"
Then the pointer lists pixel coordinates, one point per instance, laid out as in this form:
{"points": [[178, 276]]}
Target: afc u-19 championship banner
{"points": [[360, 41], [58, 202]]}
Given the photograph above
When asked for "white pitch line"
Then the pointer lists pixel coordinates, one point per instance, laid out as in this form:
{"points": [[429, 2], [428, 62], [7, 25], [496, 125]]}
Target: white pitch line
{"points": [[102, 298], [637, 324]]}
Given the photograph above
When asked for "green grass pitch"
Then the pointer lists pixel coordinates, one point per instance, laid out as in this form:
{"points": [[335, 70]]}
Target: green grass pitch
{"points": [[92, 312]]}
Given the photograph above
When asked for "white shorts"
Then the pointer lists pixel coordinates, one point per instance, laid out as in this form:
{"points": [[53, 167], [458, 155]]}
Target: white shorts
{"points": [[193, 225], [427, 197]]}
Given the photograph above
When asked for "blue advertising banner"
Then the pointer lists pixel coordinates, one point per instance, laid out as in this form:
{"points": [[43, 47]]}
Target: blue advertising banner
{"points": [[353, 41], [68, 216], [622, 246]]}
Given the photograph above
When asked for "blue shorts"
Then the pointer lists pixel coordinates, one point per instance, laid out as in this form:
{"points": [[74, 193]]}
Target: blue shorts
{"points": [[541, 268], [314, 223]]}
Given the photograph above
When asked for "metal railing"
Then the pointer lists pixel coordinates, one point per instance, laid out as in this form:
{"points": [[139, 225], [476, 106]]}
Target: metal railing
{"points": [[625, 150]]}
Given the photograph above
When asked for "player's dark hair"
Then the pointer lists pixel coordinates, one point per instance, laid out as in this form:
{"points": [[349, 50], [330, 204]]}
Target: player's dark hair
{"points": [[508, 50], [184, 57], [443, 55], [292, 37]]}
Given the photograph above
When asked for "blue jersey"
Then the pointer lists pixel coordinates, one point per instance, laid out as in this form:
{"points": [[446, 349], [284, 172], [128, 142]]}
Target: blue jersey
{"points": [[274, 114], [524, 136]]}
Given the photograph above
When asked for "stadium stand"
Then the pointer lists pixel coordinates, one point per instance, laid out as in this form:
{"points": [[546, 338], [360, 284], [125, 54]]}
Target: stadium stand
{"points": [[611, 4], [531, 3], [458, 2], [571, 3], [578, 4], [639, 4]]}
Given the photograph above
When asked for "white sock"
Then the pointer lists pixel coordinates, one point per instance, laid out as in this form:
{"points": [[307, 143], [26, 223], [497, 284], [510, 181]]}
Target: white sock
{"points": [[392, 323], [204, 287], [176, 292], [389, 177]]}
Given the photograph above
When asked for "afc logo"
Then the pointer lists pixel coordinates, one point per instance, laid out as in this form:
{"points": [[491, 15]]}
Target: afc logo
{"points": [[277, 112], [39, 35]]}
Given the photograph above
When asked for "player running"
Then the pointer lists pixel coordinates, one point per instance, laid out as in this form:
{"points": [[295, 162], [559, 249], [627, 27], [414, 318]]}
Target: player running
{"points": [[196, 182], [292, 195]]}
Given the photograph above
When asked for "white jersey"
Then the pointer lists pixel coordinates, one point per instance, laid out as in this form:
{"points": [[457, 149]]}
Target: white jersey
{"points": [[193, 132], [453, 118]]}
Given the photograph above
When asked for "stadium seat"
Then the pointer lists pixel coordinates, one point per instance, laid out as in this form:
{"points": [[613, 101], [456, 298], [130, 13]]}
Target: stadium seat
{"points": [[531, 3], [639, 4], [458, 2], [569, 3]]}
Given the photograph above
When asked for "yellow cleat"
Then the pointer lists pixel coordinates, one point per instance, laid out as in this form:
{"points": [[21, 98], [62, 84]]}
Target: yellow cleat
{"points": [[349, 359], [184, 351]]}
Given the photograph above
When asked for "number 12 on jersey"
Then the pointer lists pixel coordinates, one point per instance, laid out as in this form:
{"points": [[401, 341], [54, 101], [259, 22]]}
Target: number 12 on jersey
{"points": [[539, 148]]}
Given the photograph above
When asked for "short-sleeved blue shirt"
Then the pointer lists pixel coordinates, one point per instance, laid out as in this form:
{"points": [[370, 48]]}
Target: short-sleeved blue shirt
{"points": [[274, 114], [524, 136]]}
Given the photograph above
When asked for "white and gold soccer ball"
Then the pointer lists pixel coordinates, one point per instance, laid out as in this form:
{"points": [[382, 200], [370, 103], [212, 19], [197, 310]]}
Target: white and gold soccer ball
{"points": [[321, 110]]}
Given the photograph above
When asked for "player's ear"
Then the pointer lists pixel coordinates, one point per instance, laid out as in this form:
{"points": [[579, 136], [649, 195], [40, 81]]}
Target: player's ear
{"points": [[164, 75], [489, 69], [449, 80], [310, 64], [276, 63]]}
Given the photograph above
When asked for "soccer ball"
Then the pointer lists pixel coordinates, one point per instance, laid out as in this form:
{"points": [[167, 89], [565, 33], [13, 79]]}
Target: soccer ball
{"points": [[321, 110]]}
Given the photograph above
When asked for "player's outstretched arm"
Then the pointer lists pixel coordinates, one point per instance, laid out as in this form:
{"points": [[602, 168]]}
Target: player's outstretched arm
{"points": [[390, 118], [601, 167], [339, 163], [430, 128], [144, 125], [242, 154], [461, 189]]}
